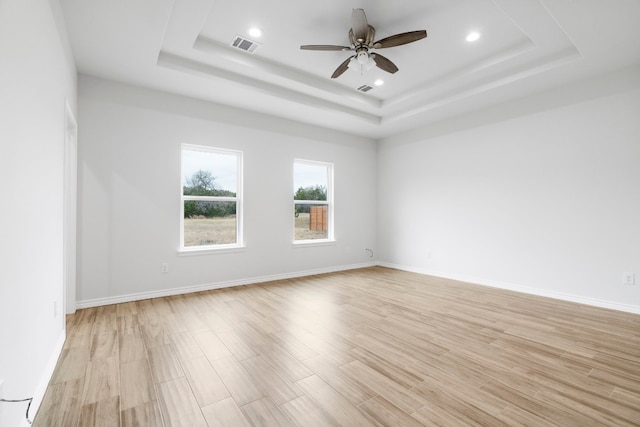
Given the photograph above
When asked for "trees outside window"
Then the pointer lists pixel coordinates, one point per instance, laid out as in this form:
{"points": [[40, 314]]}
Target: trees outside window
{"points": [[211, 202], [312, 201]]}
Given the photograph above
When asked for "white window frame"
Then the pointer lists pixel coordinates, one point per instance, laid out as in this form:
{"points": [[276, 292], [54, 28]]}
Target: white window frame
{"points": [[329, 202], [238, 199]]}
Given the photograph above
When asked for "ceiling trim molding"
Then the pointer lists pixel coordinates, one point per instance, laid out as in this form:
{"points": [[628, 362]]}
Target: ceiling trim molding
{"points": [[216, 50], [191, 66], [507, 54], [552, 61]]}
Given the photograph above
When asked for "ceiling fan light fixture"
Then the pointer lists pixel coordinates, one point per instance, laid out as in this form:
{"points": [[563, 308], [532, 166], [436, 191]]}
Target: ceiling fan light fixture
{"points": [[363, 57], [370, 63]]}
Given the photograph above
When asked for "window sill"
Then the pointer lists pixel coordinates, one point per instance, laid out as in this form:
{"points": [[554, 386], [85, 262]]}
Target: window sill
{"points": [[210, 250], [309, 243]]}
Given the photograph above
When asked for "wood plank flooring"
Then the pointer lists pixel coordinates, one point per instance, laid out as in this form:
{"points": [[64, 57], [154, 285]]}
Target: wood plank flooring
{"points": [[370, 347]]}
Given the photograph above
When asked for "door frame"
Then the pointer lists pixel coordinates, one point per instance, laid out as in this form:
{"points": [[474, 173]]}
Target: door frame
{"points": [[70, 209]]}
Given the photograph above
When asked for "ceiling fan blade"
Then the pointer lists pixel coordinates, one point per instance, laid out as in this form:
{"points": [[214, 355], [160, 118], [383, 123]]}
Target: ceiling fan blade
{"points": [[400, 39], [342, 68], [359, 24], [323, 47], [384, 64], [371, 34]]}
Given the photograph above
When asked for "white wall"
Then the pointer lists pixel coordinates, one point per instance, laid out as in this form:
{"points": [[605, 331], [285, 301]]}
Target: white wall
{"points": [[130, 187], [547, 201], [36, 77]]}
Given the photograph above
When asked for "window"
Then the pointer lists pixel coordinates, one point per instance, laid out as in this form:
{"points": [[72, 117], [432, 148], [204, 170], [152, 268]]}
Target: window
{"points": [[312, 201], [211, 207]]}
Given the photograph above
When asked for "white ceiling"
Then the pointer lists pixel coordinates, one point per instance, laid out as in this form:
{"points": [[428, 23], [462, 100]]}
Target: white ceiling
{"points": [[183, 47]]}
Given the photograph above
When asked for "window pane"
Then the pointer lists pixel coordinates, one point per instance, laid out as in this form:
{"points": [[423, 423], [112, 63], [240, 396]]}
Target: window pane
{"points": [[209, 223], [311, 222], [309, 182], [209, 174]]}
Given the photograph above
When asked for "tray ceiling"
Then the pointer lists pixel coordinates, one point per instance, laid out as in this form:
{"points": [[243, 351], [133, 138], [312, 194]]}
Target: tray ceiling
{"points": [[184, 47]]}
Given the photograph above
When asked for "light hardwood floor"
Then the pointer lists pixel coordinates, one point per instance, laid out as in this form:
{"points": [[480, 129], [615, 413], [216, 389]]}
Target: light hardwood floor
{"points": [[366, 347]]}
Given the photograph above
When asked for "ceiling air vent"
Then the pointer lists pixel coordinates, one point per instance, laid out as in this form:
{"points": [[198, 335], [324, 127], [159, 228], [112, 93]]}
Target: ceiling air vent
{"points": [[245, 44], [364, 88]]}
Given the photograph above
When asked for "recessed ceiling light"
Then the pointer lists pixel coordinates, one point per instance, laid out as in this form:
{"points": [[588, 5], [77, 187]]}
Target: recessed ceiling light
{"points": [[473, 36], [379, 82], [255, 32]]}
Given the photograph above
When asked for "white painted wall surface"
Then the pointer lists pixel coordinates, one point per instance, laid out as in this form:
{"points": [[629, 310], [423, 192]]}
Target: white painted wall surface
{"points": [[130, 185], [36, 77], [547, 202]]}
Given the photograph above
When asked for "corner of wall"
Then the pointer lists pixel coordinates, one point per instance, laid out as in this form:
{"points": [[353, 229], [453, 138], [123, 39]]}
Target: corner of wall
{"points": [[45, 378]]}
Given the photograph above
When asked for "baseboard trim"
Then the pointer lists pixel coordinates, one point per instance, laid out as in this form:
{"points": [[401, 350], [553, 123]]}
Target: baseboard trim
{"points": [[628, 308], [38, 395], [211, 286]]}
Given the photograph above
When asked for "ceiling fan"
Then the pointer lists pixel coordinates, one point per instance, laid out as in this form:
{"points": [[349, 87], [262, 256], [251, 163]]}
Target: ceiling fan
{"points": [[361, 36]]}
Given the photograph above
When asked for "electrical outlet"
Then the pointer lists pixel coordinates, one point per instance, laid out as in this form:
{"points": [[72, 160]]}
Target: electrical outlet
{"points": [[164, 267], [629, 278]]}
